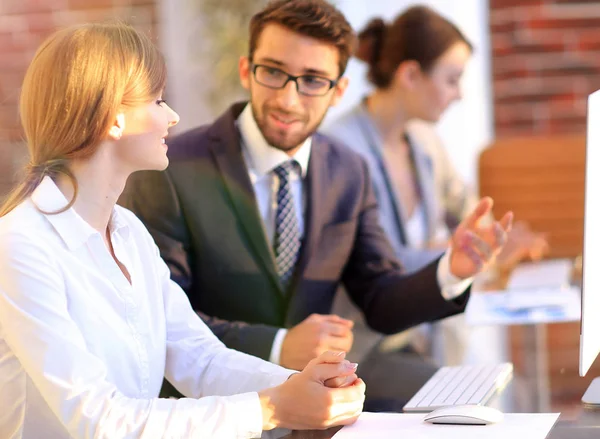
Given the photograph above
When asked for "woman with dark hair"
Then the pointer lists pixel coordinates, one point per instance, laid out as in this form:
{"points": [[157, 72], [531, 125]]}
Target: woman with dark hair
{"points": [[415, 65]]}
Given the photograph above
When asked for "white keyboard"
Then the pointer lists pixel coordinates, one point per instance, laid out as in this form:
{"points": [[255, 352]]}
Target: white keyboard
{"points": [[459, 385]]}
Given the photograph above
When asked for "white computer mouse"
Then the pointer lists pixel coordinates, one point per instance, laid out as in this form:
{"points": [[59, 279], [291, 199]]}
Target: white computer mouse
{"points": [[465, 415]]}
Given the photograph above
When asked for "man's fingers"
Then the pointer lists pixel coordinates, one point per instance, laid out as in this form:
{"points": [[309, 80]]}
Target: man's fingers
{"points": [[337, 329], [500, 235], [483, 208], [332, 318], [539, 248], [507, 221], [334, 343], [474, 256], [482, 248]]}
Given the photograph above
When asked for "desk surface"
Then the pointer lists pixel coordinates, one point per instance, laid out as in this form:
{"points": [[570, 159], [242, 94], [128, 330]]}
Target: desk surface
{"points": [[586, 425], [533, 388], [528, 394]]}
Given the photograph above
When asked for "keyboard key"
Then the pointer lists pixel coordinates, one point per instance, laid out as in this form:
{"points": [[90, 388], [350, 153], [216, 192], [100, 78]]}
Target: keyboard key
{"points": [[457, 385]]}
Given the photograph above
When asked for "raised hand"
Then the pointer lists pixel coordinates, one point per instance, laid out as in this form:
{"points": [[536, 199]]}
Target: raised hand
{"points": [[473, 245]]}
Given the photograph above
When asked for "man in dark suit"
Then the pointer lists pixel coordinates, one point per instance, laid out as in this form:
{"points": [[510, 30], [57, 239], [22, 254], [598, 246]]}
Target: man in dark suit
{"points": [[260, 219]]}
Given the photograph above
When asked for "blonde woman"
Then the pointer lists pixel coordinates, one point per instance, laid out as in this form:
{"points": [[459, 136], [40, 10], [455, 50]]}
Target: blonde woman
{"points": [[90, 321]]}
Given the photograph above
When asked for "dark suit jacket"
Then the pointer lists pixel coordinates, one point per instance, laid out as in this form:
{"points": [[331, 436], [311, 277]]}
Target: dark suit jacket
{"points": [[203, 215]]}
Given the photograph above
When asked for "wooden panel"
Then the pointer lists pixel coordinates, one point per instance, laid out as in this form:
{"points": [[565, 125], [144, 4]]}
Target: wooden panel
{"points": [[542, 180]]}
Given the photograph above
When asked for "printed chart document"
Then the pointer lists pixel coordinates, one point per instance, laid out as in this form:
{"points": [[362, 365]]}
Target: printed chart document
{"points": [[395, 425], [524, 307]]}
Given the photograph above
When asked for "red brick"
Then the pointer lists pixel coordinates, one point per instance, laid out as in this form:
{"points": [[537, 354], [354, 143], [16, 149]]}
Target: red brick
{"points": [[15, 61], [560, 110], [543, 65], [89, 4], [10, 84], [518, 72], [534, 89], [135, 3], [502, 45], [141, 17], [9, 118], [588, 39], [500, 4], [564, 126], [14, 42], [526, 40], [503, 21], [572, 9], [579, 2], [15, 134], [10, 7], [516, 129], [41, 22], [12, 23], [506, 108], [72, 16], [563, 23], [566, 63]]}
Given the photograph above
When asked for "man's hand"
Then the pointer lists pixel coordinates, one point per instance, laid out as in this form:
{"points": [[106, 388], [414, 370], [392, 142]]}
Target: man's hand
{"points": [[304, 402], [522, 243], [473, 246], [315, 335]]}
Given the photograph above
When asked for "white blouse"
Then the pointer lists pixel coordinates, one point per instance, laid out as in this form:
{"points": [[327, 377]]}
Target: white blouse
{"points": [[416, 228], [83, 352]]}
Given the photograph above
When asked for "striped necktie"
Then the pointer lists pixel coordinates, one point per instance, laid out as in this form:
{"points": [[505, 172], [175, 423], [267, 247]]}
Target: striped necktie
{"points": [[287, 232]]}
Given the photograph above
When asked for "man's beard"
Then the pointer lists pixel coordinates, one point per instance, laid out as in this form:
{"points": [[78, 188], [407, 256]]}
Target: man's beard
{"points": [[282, 142]]}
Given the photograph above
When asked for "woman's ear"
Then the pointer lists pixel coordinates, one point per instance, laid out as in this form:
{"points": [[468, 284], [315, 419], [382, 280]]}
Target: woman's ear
{"points": [[408, 74], [339, 90], [116, 130]]}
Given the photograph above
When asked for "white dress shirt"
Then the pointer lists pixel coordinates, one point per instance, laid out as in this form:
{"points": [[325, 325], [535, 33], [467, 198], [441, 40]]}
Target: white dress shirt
{"points": [[83, 352], [261, 159]]}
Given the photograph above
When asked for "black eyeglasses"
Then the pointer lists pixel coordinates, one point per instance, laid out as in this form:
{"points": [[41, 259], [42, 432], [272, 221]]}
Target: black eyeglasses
{"points": [[308, 85]]}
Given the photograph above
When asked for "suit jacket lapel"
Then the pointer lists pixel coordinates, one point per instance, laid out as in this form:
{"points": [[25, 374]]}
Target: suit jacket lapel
{"points": [[314, 199], [372, 141], [425, 181], [226, 148]]}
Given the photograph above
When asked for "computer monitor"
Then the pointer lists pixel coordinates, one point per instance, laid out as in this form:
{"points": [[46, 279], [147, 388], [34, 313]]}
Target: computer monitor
{"points": [[589, 344]]}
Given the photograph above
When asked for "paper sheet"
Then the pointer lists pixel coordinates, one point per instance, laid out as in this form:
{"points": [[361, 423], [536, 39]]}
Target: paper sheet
{"points": [[552, 273], [395, 425], [513, 308]]}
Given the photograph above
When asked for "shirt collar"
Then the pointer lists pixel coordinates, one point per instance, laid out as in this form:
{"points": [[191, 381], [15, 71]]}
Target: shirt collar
{"points": [[262, 157], [72, 229]]}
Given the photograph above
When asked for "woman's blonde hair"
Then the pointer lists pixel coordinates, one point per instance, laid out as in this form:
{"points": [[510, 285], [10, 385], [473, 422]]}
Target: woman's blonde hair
{"points": [[78, 81]]}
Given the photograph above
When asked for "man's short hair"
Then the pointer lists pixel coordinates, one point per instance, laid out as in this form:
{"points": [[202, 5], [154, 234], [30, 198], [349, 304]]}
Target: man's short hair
{"points": [[317, 19]]}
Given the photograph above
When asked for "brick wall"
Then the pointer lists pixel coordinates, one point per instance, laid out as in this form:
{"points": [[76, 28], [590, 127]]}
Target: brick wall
{"points": [[545, 61], [24, 24]]}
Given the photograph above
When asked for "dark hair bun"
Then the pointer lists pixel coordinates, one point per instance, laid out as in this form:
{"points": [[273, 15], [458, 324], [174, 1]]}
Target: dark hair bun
{"points": [[370, 41]]}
